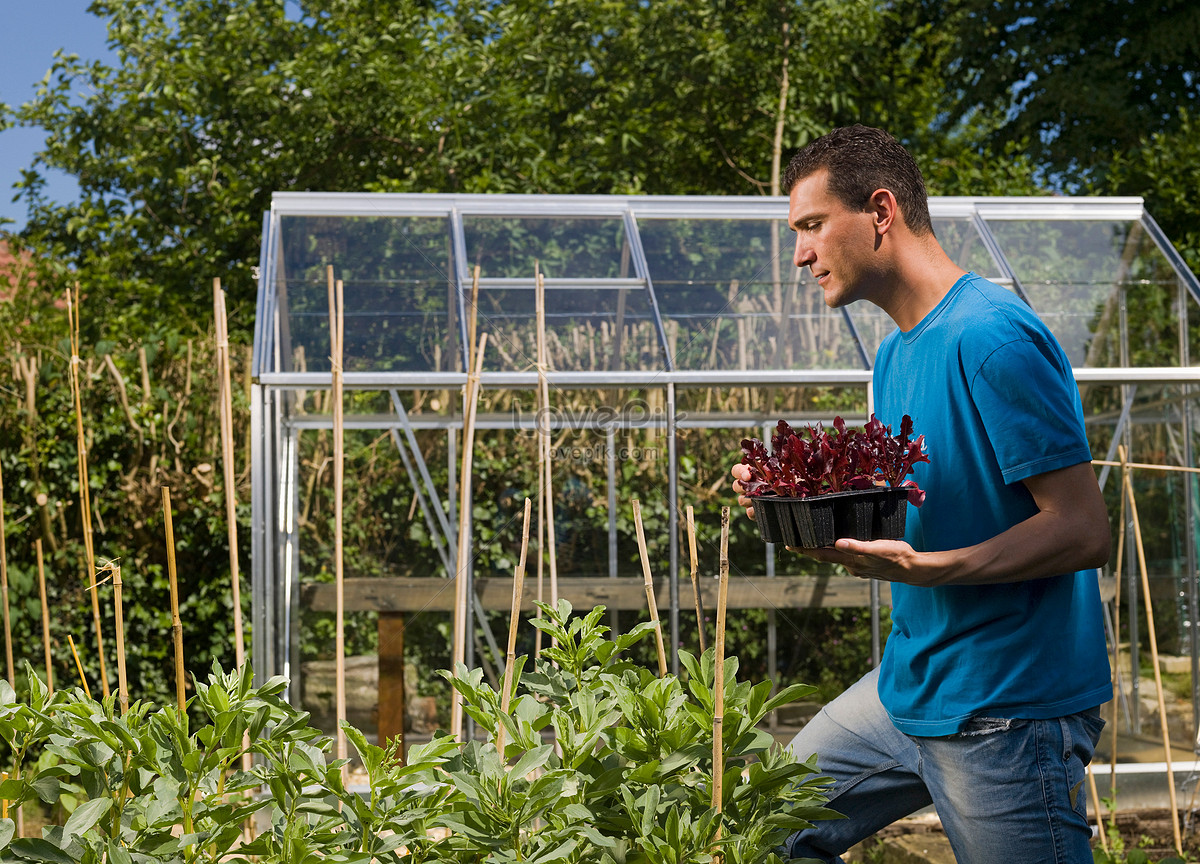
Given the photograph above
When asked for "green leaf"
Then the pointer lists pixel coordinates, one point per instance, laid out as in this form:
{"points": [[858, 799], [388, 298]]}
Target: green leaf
{"points": [[38, 849], [85, 816], [47, 788], [532, 760]]}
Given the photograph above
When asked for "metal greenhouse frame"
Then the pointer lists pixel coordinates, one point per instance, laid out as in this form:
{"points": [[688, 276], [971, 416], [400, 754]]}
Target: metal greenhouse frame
{"points": [[689, 272]]}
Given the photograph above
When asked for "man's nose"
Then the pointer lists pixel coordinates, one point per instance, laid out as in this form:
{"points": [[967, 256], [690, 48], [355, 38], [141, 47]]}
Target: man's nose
{"points": [[804, 255]]}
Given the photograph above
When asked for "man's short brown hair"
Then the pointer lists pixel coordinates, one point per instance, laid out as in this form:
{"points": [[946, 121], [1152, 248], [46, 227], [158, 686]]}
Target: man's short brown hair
{"points": [[860, 160]]}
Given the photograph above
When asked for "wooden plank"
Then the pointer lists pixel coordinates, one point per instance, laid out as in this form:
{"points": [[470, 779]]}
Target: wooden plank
{"points": [[391, 677], [436, 594]]}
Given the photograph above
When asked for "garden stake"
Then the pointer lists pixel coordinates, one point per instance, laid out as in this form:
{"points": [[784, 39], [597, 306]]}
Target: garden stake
{"points": [[719, 671], [541, 498], [649, 582], [79, 666], [691, 531], [1095, 793], [37, 545], [85, 498], [461, 600], [336, 332], [472, 322], [513, 620], [20, 828], [544, 389], [8, 652], [122, 683], [225, 397], [458, 647], [176, 623], [1150, 466], [1112, 765], [1162, 707]]}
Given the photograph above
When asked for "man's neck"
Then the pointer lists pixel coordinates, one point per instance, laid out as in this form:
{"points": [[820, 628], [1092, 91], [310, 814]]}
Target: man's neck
{"points": [[920, 283]]}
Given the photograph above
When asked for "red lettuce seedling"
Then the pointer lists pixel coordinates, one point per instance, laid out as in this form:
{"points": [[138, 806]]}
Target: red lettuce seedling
{"points": [[895, 455], [837, 461]]}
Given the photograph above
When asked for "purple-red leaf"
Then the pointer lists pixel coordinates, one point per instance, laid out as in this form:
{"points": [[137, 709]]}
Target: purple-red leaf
{"points": [[834, 461]]}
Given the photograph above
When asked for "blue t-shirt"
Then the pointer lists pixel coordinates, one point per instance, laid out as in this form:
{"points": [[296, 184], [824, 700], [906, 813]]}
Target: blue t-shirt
{"points": [[987, 384]]}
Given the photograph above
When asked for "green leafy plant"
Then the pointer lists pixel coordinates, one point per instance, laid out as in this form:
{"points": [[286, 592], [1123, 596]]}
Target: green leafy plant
{"points": [[626, 777], [630, 776]]}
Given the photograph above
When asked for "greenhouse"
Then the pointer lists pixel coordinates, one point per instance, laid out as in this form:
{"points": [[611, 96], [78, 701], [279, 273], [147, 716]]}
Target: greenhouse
{"points": [[674, 326]]}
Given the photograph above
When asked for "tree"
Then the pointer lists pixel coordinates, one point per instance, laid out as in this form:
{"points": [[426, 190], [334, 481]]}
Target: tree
{"points": [[215, 104], [1164, 167], [1074, 80]]}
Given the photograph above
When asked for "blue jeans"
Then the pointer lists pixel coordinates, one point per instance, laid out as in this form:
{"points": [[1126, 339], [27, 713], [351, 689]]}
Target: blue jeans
{"points": [[1007, 791]]}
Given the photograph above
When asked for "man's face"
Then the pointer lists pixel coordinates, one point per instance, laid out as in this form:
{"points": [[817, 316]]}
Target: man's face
{"points": [[836, 243]]}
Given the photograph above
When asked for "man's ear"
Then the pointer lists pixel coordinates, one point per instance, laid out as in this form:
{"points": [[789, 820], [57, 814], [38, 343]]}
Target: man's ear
{"points": [[885, 210]]}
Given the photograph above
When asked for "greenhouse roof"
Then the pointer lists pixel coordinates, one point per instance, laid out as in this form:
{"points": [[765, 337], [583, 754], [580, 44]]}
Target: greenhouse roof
{"points": [[695, 290]]}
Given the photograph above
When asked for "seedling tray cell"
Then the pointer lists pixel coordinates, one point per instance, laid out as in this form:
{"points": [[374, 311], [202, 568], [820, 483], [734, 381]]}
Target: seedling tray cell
{"points": [[809, 523]]}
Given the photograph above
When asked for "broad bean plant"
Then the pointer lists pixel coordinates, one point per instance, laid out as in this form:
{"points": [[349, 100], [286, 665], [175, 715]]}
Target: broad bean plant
{"points": [[603, 762]]}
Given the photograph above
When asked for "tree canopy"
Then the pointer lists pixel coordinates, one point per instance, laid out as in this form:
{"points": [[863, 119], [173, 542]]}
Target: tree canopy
{"points": [[1075, 80], [214, 104]]}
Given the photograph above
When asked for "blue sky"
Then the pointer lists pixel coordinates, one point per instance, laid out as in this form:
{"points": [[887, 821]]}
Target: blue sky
{"points": [[32, 31]]}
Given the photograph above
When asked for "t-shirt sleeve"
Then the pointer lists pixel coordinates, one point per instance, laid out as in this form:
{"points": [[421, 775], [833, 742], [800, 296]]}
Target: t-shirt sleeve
{"points": [[1029, 404]]}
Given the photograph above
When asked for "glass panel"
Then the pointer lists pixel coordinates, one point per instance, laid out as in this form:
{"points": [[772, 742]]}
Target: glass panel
{"points": [[731, 298], [400, 309], [965, 247], [1077, 274], [1156, 435], [567, 248], [872, 324], [598, 316]]}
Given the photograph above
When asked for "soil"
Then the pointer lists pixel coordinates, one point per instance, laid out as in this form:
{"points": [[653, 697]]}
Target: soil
{"points": [[1149, 830], [1152, 831]]}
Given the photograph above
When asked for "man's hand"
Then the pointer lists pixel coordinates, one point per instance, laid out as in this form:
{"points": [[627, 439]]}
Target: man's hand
{"points": [[889, 560], [1068, 533], [741, 473]]}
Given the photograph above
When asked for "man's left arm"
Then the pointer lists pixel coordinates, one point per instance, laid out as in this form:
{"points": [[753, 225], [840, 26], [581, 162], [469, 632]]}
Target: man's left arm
{"points": [[1069, 532]]}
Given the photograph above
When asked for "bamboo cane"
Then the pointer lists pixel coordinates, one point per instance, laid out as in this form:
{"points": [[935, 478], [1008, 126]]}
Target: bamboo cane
{"points": [[1162, 708], [176, 623], [1112, 765], [544, 422], [225, 397], [1150, 466], [1095, 793], [461, 600], [8, 650], [541, 499], [513, 619], [691, 531], [472, 321], [122, 682], [649, 583], [37, 545], [336, 324], [719, 671], [85, 498], [79, 667]]}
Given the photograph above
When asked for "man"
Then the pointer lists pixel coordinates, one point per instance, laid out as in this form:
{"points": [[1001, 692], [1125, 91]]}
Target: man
{"points": [[986, 703]]}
